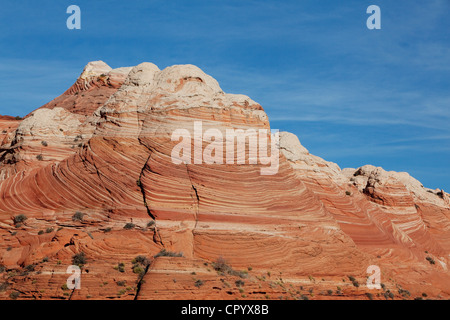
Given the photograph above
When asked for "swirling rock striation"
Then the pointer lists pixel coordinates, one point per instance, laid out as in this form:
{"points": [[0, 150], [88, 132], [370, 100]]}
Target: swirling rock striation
{"points": [[93, 173]]}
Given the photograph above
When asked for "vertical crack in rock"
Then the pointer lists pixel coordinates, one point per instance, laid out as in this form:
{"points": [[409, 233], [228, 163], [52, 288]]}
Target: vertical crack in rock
{"points": [[197, 205], [141, 279], [156, 236]]}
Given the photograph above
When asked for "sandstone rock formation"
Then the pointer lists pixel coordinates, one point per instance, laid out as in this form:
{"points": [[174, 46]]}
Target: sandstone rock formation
{"points": [[92, 173]]}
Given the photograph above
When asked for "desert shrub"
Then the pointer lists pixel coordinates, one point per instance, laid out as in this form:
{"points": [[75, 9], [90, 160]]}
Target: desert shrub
{"points": [[242, 274], [30, 267], [40, 157], [351, 278], [45, 259], [120, 267], [14, 295], [424, 295], [369, 295], [20, 218], [49, 230], [165, 253], [356, 284], [78, 216], [65, 287], [221, 265], [107, 229], [404, 293], [239, 283], [129, 226], [430, 260], [151, 223], [2, 268], [140, 264], [141, 260], [18, 118], [121, 283], [3, 286], [44, 143], [199, 283], [79, 259], [348, 193], [138, 270], [40, 232], [330, 292]]}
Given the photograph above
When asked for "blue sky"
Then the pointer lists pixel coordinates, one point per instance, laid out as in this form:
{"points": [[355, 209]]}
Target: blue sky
{"points": [[353, 96]]}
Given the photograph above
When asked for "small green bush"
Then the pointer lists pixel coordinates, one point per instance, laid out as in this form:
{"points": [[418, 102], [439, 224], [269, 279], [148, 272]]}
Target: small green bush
{"points": [[199, 283], [239, 283], [14, 295], [30, 267], [78, 216], [20, 218], [141, 260], [165, 253], [3, 286], [79, 259], [138, 270], [120, 267], [221, 265], [129, 226]]}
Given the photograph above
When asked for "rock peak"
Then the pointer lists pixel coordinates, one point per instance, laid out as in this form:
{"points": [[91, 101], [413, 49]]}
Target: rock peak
{"points": [[94, 69]]}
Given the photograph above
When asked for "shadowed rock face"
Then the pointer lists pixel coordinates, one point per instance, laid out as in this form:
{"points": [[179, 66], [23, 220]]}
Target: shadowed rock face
{"points": [[103, 148]]}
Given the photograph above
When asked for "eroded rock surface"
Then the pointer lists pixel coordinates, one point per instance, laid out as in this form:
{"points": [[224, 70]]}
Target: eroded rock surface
{"points": [[102, 151]]}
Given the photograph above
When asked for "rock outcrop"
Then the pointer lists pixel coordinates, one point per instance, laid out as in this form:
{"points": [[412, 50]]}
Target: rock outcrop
{"points": [[92, 172]]}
